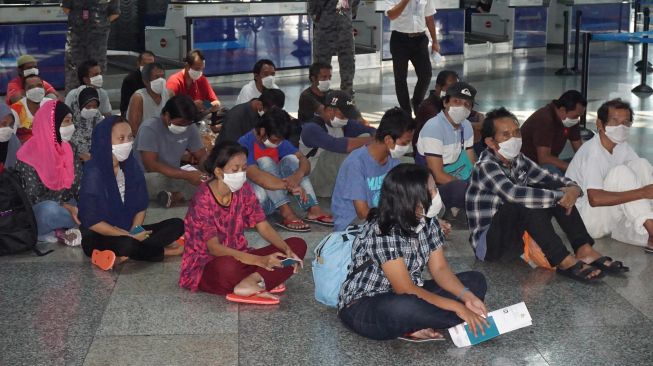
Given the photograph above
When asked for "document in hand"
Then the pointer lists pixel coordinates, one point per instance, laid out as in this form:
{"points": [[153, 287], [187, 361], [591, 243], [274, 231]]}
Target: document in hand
{"points": [[188, 168], [501, 321]]}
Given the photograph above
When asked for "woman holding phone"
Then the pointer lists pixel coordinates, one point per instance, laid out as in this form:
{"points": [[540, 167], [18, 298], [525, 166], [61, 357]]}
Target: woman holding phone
{"points": [[384, 295], [217, 258]]}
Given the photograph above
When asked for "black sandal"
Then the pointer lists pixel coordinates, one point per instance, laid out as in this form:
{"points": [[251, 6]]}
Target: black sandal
{"points": [[616, 267], [576, 272]]}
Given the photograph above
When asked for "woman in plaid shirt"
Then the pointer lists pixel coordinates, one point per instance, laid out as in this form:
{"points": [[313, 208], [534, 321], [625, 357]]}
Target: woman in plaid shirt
{"points": [[384, 295]]}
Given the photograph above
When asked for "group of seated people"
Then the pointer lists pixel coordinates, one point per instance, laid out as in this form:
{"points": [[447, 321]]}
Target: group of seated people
{"points": [[90, 177]]}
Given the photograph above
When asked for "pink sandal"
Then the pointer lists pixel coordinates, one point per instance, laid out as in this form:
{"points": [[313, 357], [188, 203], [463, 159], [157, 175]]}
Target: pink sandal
{"points": [[279, 289]]}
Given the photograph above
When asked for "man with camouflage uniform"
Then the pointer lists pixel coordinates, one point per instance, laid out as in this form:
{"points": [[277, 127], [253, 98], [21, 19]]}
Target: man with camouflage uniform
{"points": [[333, 35], [89, 23]]}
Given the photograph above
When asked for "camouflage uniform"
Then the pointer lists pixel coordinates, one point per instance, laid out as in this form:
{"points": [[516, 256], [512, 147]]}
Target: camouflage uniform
{"points": [[332, 35], [88, 34]]}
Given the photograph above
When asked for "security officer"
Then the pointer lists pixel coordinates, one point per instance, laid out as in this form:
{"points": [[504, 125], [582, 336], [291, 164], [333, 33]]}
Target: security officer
{"points": [[333, 35], [89, 23]]}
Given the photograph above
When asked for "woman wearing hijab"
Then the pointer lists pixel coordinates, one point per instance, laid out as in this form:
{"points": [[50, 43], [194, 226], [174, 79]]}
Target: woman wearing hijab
{"points": [[51, 174], [9, 142], [113, 201], [85, 120]]}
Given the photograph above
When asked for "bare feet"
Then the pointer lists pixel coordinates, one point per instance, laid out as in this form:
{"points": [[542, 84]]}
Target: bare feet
{"points": [[291, 220], [173, 250], [315, 212], [587, 254], [427, 334], [569, 261]]}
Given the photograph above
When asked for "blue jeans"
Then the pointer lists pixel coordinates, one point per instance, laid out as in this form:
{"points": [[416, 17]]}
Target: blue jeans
{"points": [[388, 315], [271, 200], [51, 216]]}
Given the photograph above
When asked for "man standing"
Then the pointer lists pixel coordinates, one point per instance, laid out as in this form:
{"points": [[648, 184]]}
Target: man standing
{"points": [[89, 23], [333, 35], [134, 80], [408, 42]]}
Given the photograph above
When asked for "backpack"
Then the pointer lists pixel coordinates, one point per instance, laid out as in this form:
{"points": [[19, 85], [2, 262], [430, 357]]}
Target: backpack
{"points": [[332, 259], [18, 232]]}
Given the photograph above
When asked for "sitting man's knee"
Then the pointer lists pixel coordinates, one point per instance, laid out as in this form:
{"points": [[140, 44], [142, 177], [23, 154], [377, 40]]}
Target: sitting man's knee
{"points": [[266, 163], [640, 165], [298, 246], [475, 282]]}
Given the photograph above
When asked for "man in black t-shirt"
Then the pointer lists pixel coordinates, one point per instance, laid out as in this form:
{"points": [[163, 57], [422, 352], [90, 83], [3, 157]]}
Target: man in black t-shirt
{"points": [[312, 100]]}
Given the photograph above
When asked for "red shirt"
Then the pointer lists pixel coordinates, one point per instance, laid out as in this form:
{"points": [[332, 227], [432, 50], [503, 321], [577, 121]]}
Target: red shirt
{"points": [[15, 87], [200, 89]]}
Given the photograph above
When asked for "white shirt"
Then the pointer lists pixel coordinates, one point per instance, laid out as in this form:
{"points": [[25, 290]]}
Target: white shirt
{"points": [[120, 179], [411, 20], [592, 163], [248, 92]]}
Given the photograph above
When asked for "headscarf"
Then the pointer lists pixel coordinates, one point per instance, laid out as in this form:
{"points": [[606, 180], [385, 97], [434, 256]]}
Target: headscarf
{"points": [[87, 95], [52, 158], [4, 146], [99, 198]]}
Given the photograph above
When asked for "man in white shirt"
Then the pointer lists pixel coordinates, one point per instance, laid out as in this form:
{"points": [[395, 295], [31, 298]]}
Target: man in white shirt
{"points": [[408, 21], [617, 181], [264, 72], [89, 75]]}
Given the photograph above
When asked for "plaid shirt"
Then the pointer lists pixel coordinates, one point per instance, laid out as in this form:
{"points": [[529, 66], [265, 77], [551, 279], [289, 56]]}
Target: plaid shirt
{"points": [[493, 183], [371, 244]]}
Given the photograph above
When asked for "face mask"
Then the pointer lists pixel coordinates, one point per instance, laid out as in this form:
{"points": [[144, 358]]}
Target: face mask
{"points": [[323, 85], [158, 85], [268, 82], [399, 150], [122, 151], [338, 122], [6, 133], [140, 68], [177, 129], [458, 114], [67, 132], [420, 226], [32, 71], [511, 148], [88, 113], [568, 122], [261, 113], [194, 74], [443, 93], [36, 95], [97, 81], [269, 144], [617, 134], [436, 206], [234, 181]]}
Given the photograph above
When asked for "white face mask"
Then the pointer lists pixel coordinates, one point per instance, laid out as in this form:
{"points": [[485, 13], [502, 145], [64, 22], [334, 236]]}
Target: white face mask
{"points": [[269, 144], [122, 151], [436, 206], [36, 95], [140, 68], [617, 134], [234, 181], [67, 132], [399, 150], [338, 122], [268, 82], [6, 133], [158, 85], [195, 74], [443, 93], [32, 71], [177, 129], [458, 114], [323, 85], [261, 113], [511, 148], [97, 81], [88, 113], [568, 122]]}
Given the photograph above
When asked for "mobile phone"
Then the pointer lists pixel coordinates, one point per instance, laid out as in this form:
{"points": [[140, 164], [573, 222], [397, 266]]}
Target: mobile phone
{"points": [[288, 262], [137, 230]]}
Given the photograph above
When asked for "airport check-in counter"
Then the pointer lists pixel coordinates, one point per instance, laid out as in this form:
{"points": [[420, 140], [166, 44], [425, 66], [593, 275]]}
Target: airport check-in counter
{"points": [[597, 16], [38, 30]]}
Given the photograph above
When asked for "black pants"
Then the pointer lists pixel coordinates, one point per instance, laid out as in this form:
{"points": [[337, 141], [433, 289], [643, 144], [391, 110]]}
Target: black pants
{"points": [[150, 249], [504, 237], [415, 50], [388, 316]]}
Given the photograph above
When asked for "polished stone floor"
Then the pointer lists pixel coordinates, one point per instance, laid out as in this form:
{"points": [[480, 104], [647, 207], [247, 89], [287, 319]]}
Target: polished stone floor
{"points": [[60, 310]]}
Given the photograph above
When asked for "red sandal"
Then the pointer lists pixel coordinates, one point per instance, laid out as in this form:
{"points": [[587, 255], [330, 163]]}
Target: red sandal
{"points": [[252, 299]]}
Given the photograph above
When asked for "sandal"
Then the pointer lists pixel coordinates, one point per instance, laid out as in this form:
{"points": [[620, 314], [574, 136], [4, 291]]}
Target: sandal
{"points": [[409, 337], [252, 299], [321, 220], [279, 289], [615, 267], [286, 226], [576, 272], [648, 249], [104, 259]]}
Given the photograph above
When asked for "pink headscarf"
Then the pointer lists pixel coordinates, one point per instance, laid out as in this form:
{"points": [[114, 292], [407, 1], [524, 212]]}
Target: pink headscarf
{"points": [[53, 161]]}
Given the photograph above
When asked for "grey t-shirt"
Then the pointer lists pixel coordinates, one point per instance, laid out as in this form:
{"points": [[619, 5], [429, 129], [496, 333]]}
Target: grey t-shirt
{"points": [[154, 136]]}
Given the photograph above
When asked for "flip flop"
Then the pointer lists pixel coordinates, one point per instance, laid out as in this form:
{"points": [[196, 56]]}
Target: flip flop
{"points": [[648, 249], [285, 223], [253, 299], [615, 267], [410, 338], [103, 259], [576, 272], [320, 220], [279, 289]]}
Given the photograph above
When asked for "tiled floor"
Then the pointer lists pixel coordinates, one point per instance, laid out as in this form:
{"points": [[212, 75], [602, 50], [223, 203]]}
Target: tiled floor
{"points": [[59, 310]]}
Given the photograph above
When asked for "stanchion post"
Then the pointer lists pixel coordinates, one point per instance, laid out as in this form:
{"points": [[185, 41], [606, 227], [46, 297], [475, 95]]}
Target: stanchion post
{"points": [[565, 48], [587, 39], [643, 87], [579, 15]]}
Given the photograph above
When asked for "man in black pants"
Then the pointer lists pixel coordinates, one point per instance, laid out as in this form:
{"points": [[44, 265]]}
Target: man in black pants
{"points": [[408, 42]]}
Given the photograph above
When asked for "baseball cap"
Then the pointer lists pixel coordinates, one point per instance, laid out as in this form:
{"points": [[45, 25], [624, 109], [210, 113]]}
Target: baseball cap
{"points": [[343, 101], [462, 90], [25, 59]]}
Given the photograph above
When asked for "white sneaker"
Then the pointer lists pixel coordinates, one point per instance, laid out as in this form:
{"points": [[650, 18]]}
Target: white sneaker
{"points": [[71, 237]]}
